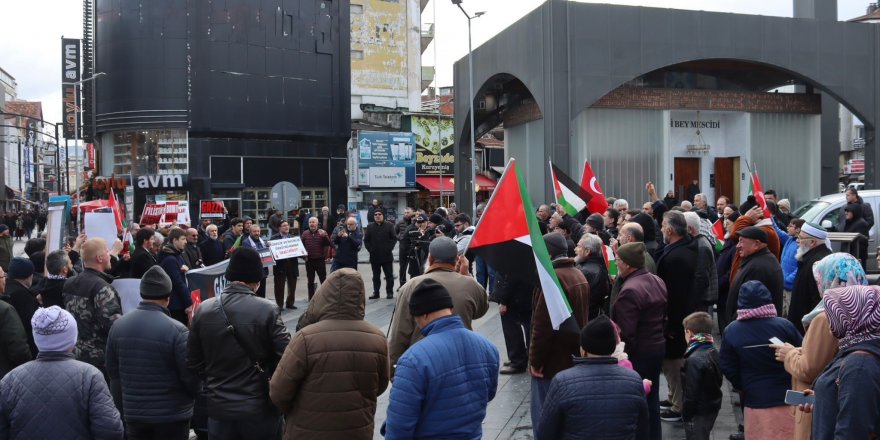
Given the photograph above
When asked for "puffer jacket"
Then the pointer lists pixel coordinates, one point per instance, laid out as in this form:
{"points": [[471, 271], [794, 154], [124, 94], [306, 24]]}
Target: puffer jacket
{"points": [[95, 304], [701, 380], [596, 398], [236, 389], [146, 364], [848, 394], [71, 397], [333, 371], [443, 384], [14, 349], [171, 261]]}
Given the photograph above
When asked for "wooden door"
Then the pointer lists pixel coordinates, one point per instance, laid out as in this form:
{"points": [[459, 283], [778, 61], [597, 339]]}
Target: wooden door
{"points": [[686, 171], [724, 181]]}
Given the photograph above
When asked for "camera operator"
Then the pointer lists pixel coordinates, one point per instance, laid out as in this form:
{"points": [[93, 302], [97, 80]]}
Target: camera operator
{"points": [[419, 235], [442, 224]]}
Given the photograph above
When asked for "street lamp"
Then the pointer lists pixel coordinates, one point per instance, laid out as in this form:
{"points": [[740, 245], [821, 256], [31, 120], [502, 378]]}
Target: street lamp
{"points": [[76, 85], [471, 101]]}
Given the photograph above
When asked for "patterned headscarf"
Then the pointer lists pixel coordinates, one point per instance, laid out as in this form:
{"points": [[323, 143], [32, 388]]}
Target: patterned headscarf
{"points": [[836, 270], [853, 314]]}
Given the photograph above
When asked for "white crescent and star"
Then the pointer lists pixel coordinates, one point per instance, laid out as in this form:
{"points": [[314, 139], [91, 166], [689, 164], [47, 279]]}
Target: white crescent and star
{"points": [[593, 186]]}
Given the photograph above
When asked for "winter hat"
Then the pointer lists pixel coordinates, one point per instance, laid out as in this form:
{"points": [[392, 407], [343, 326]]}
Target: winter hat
{"points": [[54, 329], [633, 254], [753, 294], [443, 250], [20, 268], [436, 219], [3, 228], [598, 337], [747, 205], [429, 296], [596, 221], [784, 204], [421, 218], [753, 232], [245, 266], [155, 284], [556, 244], [647, 224]]}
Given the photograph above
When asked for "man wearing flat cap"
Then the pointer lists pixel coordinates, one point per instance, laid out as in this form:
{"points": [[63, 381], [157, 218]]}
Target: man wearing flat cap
{"points": [[757, 264], [470, 299], [146, 365], [805, 291], [444, 382]]}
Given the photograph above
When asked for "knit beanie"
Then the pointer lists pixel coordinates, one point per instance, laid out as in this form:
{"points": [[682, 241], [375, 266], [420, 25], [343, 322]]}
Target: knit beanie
{"points": [[753, 294], [647, 224], [443, 250], [155, 284], [245, 266], [429, 296], [633, 254], [54, 329], [20, 268], [596, 221], [598, 337], [436, 219], [556, 244]]}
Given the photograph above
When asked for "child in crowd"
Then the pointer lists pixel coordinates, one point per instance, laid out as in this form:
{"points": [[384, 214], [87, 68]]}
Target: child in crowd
{"points": [[701, 378]]}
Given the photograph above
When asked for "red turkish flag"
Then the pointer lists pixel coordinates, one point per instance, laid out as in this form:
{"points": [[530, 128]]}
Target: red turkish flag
{"points": [[759, 193], [597, 202]]}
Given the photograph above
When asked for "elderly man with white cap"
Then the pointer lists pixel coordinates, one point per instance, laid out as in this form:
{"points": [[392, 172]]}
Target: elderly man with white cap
{"points": [[812, 247], [71, 395]]}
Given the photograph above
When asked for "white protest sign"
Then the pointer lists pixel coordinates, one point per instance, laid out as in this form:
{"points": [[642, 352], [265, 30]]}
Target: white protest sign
{"points": [[129, 290], [287, 248], [101, 225]]}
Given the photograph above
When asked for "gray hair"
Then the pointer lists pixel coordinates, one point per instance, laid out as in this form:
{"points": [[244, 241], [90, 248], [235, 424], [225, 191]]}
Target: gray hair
{"points": [[693, 222], [158, 237], [700, 195], [620, 204], [592, 243], [676, 221], [56, 261], [687, 206]]}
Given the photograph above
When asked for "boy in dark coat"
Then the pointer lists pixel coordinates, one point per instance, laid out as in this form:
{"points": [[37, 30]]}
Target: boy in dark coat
{"points": [[701, 378]]}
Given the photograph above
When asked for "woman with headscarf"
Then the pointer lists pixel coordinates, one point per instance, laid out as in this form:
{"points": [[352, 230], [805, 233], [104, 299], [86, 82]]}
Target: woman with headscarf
{"points": [[848, 391], [804, 363], [748, 363]]}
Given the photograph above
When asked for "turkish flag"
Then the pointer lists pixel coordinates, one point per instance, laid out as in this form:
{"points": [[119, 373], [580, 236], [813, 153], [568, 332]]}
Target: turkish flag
{"points": [[589, 184], [117, 210], [759, 193]]}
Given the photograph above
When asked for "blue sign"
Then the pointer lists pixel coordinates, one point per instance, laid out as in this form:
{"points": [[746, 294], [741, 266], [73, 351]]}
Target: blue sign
{"points": [[386, 160]]}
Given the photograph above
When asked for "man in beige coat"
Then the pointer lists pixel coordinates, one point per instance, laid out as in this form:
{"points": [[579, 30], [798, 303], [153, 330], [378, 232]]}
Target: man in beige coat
{"points": [[469, 299]]}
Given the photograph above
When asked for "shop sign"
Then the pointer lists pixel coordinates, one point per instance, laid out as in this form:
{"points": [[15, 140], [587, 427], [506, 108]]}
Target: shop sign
{"points": [[434, 144], [70, 74], [164, 181], [106, 183], [386, 160], [212, 209], [90, 153]]}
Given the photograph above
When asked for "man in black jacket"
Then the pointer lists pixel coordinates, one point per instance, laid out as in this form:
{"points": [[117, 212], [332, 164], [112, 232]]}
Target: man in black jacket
{"points": [[852, 196], [285, 271], [402, 229], [14, 349], [146, 365], [380, 240], [51, 288], [142, 258], [236, 363], [18, 293], [758, 264], [514, 298], [805, 291]]}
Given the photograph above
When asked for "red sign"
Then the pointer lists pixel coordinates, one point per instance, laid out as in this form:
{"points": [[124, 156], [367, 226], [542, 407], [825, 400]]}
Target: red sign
{"points": [[152, 214], [171, 212], [90, 151], [212, 209]]}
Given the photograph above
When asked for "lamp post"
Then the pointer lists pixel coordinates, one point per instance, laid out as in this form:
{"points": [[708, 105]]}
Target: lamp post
{"points": [[471, 102], [78, 165]]}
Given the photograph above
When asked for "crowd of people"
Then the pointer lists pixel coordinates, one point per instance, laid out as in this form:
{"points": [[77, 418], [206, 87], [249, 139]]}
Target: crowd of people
{"points": [[770, 307]]}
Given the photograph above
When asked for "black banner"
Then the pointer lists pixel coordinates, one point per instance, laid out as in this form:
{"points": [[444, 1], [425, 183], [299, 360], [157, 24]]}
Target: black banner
{"points": [[70, 74]]}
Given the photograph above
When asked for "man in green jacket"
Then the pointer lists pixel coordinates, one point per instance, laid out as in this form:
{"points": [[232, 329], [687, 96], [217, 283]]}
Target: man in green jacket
{"points": [[5, 247]]}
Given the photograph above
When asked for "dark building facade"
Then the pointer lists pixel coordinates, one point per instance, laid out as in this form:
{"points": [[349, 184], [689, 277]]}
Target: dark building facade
{"points": [[234, 96]]}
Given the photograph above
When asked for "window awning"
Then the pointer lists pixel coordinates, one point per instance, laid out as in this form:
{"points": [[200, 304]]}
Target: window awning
{"points": [[435, 184]]}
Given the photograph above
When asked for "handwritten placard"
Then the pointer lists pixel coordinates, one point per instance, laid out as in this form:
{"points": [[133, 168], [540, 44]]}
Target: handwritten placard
{"points": [[287, 248]]}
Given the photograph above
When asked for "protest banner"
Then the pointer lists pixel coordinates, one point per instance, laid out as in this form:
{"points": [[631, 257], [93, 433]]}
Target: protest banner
{"points": [[287, 248], [129, 290], [101, 225], [152, 214], [211, 209], [207, 282], [170, 213], [266, 257]]}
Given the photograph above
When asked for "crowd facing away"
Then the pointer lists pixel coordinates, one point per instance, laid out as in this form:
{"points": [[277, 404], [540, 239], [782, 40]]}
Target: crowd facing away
{"points": [[679, 287]]}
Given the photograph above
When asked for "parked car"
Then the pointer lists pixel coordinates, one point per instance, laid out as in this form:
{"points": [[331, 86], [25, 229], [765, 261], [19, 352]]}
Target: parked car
{"points": [[828, 212]]}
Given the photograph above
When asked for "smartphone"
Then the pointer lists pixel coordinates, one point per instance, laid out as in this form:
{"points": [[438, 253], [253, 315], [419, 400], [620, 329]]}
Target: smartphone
{"points": [[777, 341], [793, 397]]}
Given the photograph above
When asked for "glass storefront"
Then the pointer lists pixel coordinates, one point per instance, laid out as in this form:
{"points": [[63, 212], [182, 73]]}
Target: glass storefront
{"points": [[145, 152]]}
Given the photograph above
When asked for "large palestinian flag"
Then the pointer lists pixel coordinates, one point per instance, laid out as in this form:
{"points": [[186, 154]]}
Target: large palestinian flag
{"points": [[509, 239], [568, 193]]}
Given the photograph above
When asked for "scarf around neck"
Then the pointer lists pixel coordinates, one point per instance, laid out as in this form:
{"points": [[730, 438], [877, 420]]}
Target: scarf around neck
{"points": [[765, 311], [699, 340]]}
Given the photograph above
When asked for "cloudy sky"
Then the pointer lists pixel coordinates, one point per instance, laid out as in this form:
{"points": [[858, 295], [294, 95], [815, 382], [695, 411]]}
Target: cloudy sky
{"points": [[32, 30]]}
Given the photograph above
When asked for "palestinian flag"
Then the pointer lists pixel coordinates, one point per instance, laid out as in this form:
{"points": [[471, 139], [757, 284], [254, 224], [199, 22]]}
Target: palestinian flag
{"points": [[718, 231], [569, 194], [509, 239], [610, 260]]}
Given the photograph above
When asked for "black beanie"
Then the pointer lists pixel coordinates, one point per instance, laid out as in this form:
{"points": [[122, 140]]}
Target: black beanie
{"points": [[747, 205], [429, 296], [245, 266], [598, 337], [647, 224], [155, 284], [596, 221], [556, 244]]}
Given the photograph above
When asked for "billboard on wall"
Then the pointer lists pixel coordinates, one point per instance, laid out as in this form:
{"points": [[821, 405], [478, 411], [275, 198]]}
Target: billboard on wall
{"points": [[386, 160], [70, 74], [434, 144], [378, 38]]}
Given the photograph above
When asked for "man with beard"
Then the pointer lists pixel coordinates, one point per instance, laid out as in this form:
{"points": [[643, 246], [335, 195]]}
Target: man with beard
{"points": [[805, 292], [589, 259], [701, 203]]}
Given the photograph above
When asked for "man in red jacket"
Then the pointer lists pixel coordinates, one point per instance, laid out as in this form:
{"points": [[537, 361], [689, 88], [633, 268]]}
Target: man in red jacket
{"points": [[317, 243]]}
